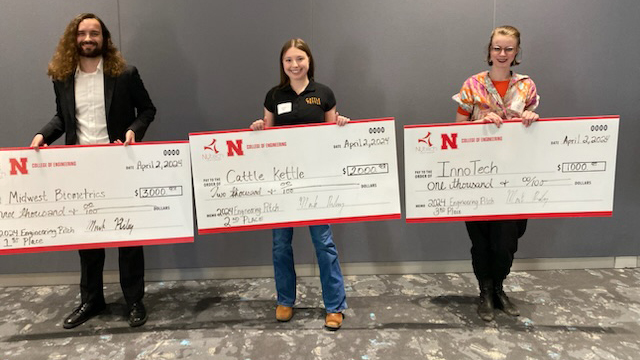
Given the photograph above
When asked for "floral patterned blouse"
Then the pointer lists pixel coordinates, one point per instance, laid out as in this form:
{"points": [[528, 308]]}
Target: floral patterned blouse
{"points": [[479, 96]]}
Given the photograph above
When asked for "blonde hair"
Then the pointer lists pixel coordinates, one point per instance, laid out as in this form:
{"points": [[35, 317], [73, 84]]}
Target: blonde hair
{"points": [[506, 30]]}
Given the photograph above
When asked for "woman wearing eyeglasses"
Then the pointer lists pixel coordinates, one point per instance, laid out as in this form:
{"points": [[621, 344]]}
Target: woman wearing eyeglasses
{"points": [[493, 96]]}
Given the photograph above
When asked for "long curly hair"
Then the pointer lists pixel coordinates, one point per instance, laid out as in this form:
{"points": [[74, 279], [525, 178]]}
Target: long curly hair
{"points": [[65, 59]]}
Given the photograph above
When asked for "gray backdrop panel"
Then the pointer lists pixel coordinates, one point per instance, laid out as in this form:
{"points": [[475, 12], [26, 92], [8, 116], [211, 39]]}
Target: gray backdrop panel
{"points": [[29, 34], [218, 60], [208, 64], [400, 59], [584, 62]]}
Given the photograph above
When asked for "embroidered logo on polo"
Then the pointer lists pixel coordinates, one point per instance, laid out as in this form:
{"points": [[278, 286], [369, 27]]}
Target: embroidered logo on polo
{"points": [[313, 100]]}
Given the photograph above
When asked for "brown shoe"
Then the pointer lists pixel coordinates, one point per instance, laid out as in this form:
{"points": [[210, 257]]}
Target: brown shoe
{"points": [[333, 321], [284, 313]]}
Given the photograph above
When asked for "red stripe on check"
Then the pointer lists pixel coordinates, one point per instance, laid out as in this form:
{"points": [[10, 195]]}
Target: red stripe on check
{"points": [[511, 217], [53, 147], [604, 117], [287, 127]]}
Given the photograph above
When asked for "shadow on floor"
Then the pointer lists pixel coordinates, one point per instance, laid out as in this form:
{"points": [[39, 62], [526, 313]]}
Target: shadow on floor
{"points": [[184, 317]]}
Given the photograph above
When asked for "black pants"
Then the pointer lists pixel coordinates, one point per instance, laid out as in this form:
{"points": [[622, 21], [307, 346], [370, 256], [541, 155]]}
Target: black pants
{"points": [[494, 244], [131, 261]]}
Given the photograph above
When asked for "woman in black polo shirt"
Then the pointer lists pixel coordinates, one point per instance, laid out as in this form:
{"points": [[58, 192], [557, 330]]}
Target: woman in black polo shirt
{"points": [[298, 99]]}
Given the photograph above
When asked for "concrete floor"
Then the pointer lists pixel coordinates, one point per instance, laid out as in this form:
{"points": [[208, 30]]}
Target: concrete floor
{"points": [[566, 314]]}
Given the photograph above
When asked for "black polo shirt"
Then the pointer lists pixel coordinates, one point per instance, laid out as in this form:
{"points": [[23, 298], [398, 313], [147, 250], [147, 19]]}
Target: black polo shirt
{"points": [[289, 108]]}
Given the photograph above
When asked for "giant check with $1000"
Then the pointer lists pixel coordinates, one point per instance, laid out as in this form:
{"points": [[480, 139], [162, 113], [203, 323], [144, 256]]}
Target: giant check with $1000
{"points": [[562, 167]]}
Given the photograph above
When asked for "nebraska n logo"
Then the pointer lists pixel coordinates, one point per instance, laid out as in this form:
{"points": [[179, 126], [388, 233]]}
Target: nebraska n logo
{"points": [[18, 166], [451, 141], [234, 148]]}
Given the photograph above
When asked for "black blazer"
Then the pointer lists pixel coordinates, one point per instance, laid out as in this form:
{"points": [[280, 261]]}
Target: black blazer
{"points": [[127, 106]]}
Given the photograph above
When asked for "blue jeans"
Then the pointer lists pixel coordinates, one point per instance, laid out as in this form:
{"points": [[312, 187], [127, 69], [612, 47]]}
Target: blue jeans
{"points": [[333, 294]]}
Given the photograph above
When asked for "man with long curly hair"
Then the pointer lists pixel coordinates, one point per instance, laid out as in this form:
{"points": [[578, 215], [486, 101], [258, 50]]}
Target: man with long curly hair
{"points": [[99, 99]]}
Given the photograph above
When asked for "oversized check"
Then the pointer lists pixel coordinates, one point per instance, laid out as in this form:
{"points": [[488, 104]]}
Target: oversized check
{"points": [[83, 197], [562, 167], [295, 175]]}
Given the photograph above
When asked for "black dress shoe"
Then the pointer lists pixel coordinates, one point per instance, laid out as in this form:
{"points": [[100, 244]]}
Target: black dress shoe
{"points": [[82, 313], [485, 307], [485, 304], [503, 302], [137, 314]]}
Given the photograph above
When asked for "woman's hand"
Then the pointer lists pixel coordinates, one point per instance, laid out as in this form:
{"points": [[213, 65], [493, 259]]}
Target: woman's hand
{"points": [[257, 125], [341, 120], [528, 117], [494, 118]]}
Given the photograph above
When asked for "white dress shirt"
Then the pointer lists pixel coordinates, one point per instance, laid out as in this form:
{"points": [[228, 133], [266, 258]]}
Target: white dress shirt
{"points": [[90, 107]]}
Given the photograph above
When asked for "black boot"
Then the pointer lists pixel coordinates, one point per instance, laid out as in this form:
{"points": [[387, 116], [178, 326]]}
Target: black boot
{"points": [[485, 306], [502, 300]]}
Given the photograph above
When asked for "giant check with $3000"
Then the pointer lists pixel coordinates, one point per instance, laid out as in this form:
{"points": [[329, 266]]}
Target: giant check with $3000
{"points": [[81, 197]]}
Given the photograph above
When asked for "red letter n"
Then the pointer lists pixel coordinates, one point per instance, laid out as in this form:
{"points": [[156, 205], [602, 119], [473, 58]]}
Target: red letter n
{"points": [[237, 147], [21, 166], [451, 141]]}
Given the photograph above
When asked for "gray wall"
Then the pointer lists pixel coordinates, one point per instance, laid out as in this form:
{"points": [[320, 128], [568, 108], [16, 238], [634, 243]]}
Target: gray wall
{"points": [[208, 64]]}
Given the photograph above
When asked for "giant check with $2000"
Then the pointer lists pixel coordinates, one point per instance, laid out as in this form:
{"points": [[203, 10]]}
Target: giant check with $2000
{"points": [[295, 175]]}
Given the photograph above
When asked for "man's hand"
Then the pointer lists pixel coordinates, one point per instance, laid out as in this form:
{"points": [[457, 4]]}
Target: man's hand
{"points": [[37, 142], [129, 138]]}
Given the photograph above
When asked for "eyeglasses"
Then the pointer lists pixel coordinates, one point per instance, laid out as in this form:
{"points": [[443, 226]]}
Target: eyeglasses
{"points": [[498, 49]]}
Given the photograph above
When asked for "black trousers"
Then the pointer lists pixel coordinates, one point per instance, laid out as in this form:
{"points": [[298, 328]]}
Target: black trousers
{"points": [[131, 262], [494, 244]]}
